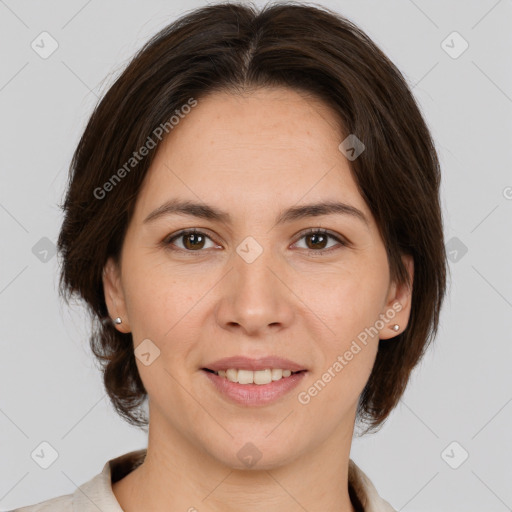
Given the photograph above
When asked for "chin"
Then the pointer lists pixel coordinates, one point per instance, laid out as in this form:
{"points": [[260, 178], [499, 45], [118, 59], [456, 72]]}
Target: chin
{"points": [[257, 452]]}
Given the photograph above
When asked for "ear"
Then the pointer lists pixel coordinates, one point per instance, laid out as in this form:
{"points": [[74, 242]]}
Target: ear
{"points": [[398, 303], [114, 295]]}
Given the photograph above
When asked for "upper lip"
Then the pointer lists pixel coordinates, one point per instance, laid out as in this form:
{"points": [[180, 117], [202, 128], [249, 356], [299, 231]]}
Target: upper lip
{"points": [[261, 363]]}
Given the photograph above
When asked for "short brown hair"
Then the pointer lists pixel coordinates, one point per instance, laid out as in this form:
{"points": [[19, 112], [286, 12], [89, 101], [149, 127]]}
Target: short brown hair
{"points": [[236, 47]]}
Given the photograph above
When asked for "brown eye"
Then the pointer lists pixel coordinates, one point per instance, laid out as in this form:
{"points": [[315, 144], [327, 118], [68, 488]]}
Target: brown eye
{"points": [[192, 241], [317, 240]]}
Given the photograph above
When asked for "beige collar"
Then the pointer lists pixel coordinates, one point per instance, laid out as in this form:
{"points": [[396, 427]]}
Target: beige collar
{"points": [[97, 492]]}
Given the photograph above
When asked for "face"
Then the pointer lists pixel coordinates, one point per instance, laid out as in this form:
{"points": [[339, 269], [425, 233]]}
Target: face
{"points": [[262, 280]]}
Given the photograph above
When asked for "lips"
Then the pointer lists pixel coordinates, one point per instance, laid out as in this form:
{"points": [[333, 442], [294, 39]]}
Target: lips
{"points": [[254, 395], [246, 382], [245, 363]]}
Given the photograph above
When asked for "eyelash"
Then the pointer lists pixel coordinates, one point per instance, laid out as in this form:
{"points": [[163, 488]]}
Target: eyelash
{"points": [[311, 231]]}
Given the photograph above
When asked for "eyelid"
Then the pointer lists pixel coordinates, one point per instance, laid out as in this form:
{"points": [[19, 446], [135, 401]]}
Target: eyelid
{"points": [[187, 231], [309, 231]]}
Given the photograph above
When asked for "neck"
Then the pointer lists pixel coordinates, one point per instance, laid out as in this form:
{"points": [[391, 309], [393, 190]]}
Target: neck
{"points": [[176, 475]]}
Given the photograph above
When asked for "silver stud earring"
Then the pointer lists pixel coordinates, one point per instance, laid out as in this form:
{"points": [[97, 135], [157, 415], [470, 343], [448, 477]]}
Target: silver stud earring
{"points": [[118, 320], [395, 327]]}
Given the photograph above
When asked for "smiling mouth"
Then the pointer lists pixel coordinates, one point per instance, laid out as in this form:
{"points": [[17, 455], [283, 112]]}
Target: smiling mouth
{"points": [[259, 377]]}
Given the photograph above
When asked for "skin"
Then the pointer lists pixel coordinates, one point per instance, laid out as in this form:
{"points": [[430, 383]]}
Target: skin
{"points": [[252, 155]]}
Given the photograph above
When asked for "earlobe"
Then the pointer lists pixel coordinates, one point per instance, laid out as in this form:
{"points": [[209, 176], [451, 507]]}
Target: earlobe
{"points": [[114, 296]]}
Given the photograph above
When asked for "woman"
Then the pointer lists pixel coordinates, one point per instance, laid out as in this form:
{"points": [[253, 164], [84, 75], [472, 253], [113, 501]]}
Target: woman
{"points": [[253, 220]]}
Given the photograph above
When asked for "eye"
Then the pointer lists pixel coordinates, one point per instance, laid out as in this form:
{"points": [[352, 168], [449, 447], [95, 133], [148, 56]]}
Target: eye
{"points": [[193, 240], [316, 240]]}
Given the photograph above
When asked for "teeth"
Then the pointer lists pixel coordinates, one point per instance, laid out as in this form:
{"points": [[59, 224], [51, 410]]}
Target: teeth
{"points": [[277, 374], [262, 377], [258, 377], [245, 377], [232, 375]]}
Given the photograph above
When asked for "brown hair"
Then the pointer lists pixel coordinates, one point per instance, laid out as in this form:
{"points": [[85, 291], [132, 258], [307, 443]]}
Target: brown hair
{"points": [[235, 47]]}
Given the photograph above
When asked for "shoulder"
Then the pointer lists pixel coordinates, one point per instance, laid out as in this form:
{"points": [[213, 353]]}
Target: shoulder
{"points": [[95, 494], [366, 491], [60, 504], [86, 497]]}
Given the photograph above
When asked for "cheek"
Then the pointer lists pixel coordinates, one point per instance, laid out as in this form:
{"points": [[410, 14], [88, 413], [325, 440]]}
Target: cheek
{"points": [[347, 301], [157, 296], [349, 304], [166, 305], [346, 350], [163, 307]]}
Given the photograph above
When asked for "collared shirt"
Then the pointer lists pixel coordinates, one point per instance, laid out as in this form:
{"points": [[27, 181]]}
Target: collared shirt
{"points": [[97, 494]]}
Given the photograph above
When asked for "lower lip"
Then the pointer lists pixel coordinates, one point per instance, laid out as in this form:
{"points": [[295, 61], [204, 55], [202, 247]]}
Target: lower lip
{"points": [[254, 394]]}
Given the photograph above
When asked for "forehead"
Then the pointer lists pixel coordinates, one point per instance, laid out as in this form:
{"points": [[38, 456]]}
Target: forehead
{"points": [[253, 150]]}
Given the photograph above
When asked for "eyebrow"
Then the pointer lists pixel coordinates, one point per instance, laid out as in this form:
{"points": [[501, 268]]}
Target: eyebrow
{"points": [[204, 211]]}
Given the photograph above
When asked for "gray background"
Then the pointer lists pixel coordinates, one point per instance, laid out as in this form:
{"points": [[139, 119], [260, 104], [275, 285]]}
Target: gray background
{"points": [[51, 389]]}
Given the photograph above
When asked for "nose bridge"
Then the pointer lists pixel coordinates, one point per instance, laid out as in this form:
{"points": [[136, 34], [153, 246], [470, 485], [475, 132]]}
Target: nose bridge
{"points": [[254, 298], [255, 284], [252, 271]]}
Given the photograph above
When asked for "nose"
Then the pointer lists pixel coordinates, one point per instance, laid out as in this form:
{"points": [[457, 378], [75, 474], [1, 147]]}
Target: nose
{"points": [[255, 298]]}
